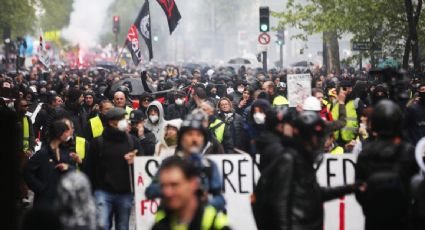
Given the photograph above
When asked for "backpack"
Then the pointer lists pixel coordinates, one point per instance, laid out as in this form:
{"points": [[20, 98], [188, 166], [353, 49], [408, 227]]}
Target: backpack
{"points": [[386, 196]]}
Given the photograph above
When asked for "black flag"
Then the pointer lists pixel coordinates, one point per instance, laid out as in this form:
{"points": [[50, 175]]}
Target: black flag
{"points": [[143, 24], [132, 43], [172, 13]]}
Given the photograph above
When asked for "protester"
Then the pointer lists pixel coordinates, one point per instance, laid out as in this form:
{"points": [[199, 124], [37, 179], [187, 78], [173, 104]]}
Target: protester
{"points": [[73, 110], [167, 145], [75, 204], [45, 168], [293, 171], [146, 138], [387, 165], [192, 139], [97, 124], [120, 101], [415, 117], [108, 165], [155, 122], [46, 115], [182, 206], [26, 143]]}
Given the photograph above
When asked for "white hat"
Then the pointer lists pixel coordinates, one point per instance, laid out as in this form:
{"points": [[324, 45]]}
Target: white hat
{"points": [[312, 104]]}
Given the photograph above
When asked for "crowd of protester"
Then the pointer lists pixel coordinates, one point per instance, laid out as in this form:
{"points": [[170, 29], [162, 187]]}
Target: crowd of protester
{"points": [[97, 120]]}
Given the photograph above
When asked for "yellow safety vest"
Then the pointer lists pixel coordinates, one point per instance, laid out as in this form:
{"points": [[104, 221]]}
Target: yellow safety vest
{"points": [[218, 130], [26, 126], [280, 100], [349, 132], [80, 147], [337, 150], [96, 126], [210, 218], [128, 110]]}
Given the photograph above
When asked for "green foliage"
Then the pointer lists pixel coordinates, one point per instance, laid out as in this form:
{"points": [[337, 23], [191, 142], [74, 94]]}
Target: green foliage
{"points": [[380, 21], [19, 15], [57, 14]]}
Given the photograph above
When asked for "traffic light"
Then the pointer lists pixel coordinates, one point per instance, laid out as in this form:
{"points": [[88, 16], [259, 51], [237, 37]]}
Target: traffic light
{"points": [[116, 24], [280, 37], [264, 19]]}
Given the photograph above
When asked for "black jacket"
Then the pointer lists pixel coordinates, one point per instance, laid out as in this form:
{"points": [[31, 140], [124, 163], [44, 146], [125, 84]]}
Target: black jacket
{"points": [[148, 143], [78, 116], [174, 111], [105, 164], [269, 147], [43, 120], [42, 177], [381, 156], [415, 123], [290, 196], [234, 126]]}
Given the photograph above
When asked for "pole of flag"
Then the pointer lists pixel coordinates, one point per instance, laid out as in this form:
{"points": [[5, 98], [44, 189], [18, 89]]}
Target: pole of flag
{"points": [[118, 59]]}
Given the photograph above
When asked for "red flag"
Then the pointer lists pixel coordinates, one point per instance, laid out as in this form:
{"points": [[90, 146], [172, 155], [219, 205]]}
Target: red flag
{"points": [[133, 45], [172, 13]]}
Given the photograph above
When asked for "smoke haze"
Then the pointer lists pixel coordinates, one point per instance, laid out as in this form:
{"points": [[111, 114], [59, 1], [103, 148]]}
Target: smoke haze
{"points": [[86, 22]]}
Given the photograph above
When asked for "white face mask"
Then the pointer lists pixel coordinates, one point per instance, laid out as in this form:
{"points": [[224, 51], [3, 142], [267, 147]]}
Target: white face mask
{"points": [[153, 118], [241, 89], [122, 125], [259, 118], [68, 138], [230, 90], [179, 101]]}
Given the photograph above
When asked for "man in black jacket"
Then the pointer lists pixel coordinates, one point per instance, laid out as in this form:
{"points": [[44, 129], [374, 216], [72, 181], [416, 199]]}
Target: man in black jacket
{"points": [[177, 109], [415, 118], [46, 115], [387, 165], [145, 136], [287, 195], [108, 166], [73, 110]]}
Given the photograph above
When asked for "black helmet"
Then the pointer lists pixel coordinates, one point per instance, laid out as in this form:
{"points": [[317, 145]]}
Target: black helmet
{"points": [[278, 115], [193, 121], [310, 124], [387, 119]]}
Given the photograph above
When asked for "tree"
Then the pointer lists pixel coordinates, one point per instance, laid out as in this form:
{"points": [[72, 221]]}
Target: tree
{"points": [[412, 41], [394, 24], [56, 14], [18, 15], [318, 16]]}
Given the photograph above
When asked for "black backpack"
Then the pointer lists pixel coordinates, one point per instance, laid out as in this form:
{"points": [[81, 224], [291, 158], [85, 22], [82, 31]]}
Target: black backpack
{"points": [[386, 196]]}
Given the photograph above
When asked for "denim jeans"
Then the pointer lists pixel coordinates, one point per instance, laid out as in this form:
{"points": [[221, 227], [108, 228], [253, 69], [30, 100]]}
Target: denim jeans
{"points": [[112, 204]]}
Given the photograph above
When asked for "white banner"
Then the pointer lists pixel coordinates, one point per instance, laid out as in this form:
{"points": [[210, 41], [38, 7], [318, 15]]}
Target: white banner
{"points": [[239, 175], [299, 88]]}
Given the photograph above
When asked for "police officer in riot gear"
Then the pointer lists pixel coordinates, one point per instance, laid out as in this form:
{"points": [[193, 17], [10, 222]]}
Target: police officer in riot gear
{"points": [[386, 165], [287, 195]]}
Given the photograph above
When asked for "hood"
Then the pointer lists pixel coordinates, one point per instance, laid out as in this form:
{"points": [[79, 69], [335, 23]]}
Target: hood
{"points": [[174, 123], [75, 203], [157, 128]]}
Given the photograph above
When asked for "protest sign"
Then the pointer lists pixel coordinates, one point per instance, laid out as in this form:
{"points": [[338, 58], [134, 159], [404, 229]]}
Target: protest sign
{"points": [[299, 88], [239, 175]]}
